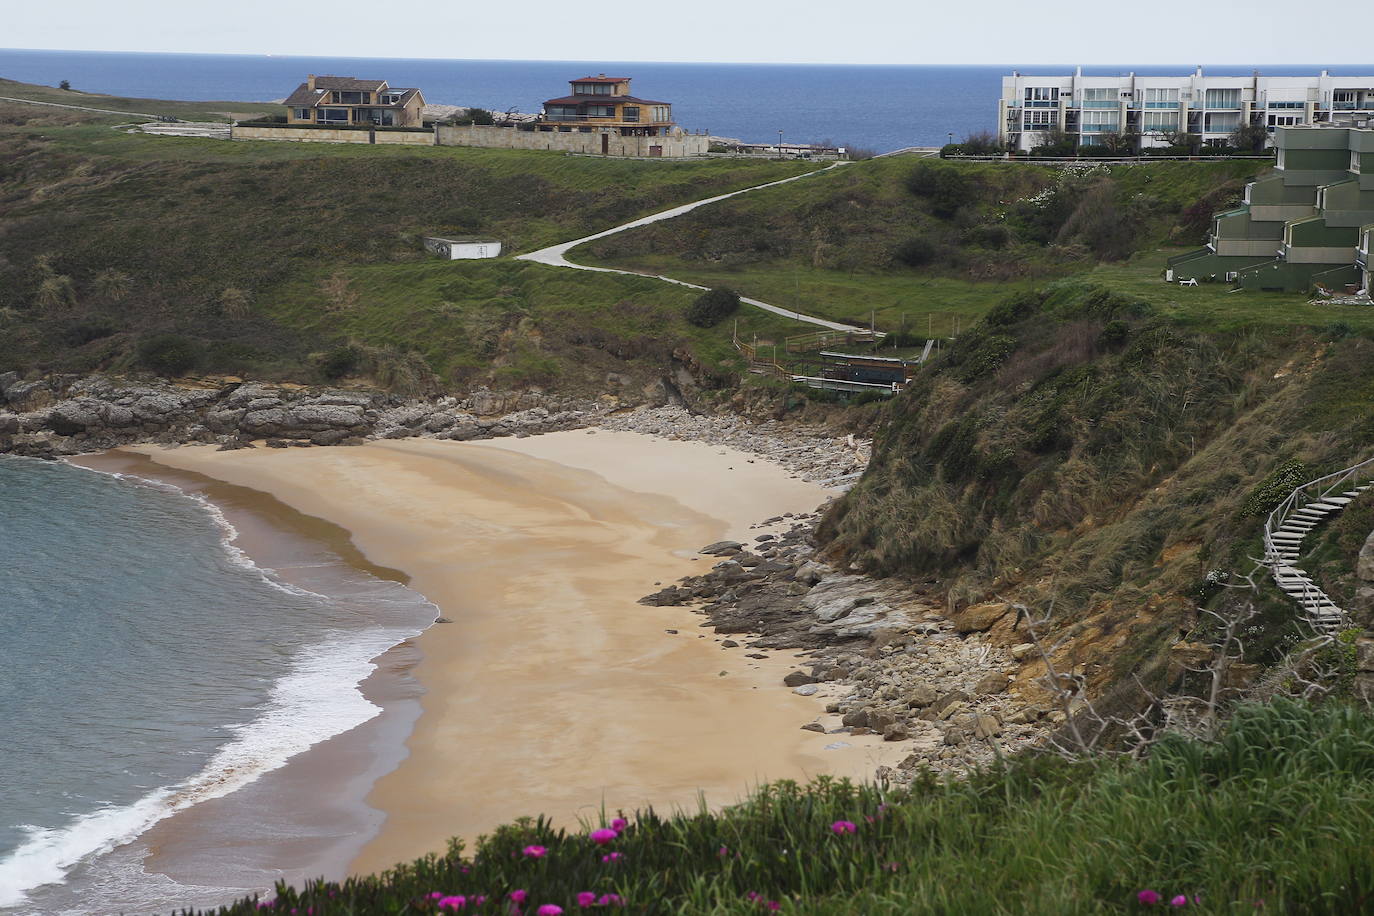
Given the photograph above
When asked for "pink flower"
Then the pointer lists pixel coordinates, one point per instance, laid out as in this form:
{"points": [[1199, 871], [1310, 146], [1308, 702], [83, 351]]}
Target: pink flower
{"points": [[479, 900], [518, 897], [437, 895], [534, 852], [612, 856], [619, 824], [753, 895], [723, 851], [550, 909], [603, 836], [774, 905], [455, 902], [842, 827], [586, 899], [610, 900], [1148, 897], [1180, 900]]}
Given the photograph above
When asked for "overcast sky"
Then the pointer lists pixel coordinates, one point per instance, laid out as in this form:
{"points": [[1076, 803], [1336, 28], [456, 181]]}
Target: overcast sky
{"points": [[1184, 32]]}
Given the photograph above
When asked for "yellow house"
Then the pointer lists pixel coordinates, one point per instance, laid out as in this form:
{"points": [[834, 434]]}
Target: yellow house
{"points": [[339, 100], [604, 103]]}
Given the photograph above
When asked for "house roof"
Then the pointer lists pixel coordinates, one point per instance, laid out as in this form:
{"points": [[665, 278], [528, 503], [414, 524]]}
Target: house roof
{"points": [[601, 100], [349, 83], [603, 78], [304, 98]]}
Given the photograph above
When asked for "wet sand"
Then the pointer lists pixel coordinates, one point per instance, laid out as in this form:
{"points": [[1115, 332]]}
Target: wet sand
{"points": [[553, 691]]}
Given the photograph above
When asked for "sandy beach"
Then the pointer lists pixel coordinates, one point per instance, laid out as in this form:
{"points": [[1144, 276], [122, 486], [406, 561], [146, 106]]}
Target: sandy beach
{"points": [[553, 691]]}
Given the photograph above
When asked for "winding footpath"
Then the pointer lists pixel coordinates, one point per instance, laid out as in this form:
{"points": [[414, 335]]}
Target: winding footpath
{"points": [[556, 255]]}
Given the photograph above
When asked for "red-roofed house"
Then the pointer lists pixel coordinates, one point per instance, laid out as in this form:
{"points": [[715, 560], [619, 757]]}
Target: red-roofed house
{"points": [[341, 100], [604, 103]]}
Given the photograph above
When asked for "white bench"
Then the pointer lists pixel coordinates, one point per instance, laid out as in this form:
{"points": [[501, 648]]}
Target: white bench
{"points": [[1191, 281]]}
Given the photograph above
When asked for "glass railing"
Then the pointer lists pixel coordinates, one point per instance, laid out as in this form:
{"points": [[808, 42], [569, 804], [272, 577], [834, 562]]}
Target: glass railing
{"points": [[1101, 128], [1040, 103], [1222, 106], [1100, 103], [1161, 105]]}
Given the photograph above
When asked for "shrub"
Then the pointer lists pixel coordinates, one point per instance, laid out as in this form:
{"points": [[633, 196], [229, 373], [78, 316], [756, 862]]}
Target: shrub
{"points": [[169, 354], [65, 85], [712, 307], [479, 116], [915, 251], [1275, 488], [339, 362]]}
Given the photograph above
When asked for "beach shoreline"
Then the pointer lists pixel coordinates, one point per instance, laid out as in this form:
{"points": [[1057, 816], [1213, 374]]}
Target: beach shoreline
{"points": [[615, 708]]}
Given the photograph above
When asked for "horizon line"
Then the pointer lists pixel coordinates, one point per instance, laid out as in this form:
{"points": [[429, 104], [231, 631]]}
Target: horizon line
{"points": [[763, 63]]}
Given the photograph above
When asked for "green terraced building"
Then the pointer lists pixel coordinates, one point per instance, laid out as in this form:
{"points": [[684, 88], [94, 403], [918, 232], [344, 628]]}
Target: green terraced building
{"points": [[1308, 223]]}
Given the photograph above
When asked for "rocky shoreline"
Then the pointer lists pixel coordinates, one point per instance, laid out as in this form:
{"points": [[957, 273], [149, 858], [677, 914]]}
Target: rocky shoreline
{"points": [[886, 657]]}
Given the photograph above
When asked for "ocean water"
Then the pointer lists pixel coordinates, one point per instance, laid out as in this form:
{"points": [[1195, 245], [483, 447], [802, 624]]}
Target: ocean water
{"points": [[878, 107], [147, 666]]}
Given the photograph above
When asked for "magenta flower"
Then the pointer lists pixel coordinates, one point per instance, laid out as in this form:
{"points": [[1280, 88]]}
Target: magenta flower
{"points": [[612, 856], [479, 900], [586, 899], [723, 851], [550, 909], [842, 827], [774, 905], [610, 900], [455, 902], [437, 895], [518, 897], [753, 895], [1180, 900], [1148, 897], [603, 836], [619, 824], [534, 852]]}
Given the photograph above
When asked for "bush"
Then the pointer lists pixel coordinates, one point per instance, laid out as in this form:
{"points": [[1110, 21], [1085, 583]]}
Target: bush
{"points": [[339, 362], [915, 251], [169, 354], [479, 116], [712, 307]]}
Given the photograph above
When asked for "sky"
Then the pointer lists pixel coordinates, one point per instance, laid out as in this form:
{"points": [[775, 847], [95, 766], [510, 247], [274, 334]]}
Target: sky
{"points": [[1164, 32]]}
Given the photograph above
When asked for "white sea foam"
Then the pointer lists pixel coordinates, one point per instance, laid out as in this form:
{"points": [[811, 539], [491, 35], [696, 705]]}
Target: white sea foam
{"points": [[316, 700]]}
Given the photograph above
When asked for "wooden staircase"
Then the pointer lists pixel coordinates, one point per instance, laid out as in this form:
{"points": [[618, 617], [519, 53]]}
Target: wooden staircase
{"points": [[1284, 530]]}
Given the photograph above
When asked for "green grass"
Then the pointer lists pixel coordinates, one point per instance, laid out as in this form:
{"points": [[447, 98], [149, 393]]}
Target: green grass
{"points": [[187, 111], [1276, 816]]}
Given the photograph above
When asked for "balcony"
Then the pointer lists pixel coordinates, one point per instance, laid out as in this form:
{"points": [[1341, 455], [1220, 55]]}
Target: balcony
{"points": [[1101, 103], [1173, 105]]}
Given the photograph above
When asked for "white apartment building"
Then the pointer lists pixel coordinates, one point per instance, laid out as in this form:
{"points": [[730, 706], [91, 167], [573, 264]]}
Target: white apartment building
{"points": [[1157, 107]]}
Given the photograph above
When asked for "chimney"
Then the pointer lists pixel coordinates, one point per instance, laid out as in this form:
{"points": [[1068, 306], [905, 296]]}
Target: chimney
{"points": [[310, 82]]}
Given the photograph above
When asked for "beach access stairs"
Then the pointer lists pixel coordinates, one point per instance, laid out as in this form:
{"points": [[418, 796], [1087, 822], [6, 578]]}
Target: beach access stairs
{"points": [[1285, 528]]}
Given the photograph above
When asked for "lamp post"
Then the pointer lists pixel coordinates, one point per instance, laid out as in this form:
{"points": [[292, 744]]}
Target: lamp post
{"points": [[779, 144], [951, 138]]}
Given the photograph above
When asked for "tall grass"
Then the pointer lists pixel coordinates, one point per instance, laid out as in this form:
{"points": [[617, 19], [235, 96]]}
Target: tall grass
{"points": [[1276, 816]]}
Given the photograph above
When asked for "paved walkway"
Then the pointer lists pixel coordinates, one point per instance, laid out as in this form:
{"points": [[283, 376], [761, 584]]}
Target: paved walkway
{"points": [[556, 255]]}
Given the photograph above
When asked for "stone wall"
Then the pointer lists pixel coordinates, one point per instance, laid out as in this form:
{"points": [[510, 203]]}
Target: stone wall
{"points": [[325, 135], [571, 142]]}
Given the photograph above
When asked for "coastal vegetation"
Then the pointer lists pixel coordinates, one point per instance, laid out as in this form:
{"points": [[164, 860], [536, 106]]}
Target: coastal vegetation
{"points": [[1272, 816]]}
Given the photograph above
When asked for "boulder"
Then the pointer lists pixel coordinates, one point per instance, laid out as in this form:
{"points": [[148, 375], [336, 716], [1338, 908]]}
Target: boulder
{"points": [[855, 718], [721, 548], [921, 695], [979, 617], [813, 727], [990, 683], [986, 726], [806, 690], [810, 573], [25, 397], [1364, 563], [798, 678], [880, 719], [1023, 651], [895, 732]]}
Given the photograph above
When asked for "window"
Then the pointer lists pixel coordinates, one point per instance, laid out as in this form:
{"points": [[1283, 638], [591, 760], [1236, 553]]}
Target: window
{"points": [[1284, 120], [1287, 105], [1042, 97], [631, 113], [1155, 122], [1037, 120], [1222, 98], [1101, 122], [1343, 98], [1221, 122], [1099, 98], [1161, 98], [334, 115], [303, 114], [663, 113]]}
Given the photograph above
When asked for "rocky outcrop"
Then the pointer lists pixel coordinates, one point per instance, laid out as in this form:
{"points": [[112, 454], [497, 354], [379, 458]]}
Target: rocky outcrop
{"points": [[889, 662], [56, 416]]}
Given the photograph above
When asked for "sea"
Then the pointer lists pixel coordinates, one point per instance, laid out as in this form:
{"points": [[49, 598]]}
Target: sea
{"points": [[881, 108], [149, 666]]}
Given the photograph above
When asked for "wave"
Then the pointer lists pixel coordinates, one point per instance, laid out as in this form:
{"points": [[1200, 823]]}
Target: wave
{"points": [[305, 707]]}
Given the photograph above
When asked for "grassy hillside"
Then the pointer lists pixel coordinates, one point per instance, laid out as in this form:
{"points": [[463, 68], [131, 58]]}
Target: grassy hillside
{"points": [[187, 111], [1080, 450], [928, 244], [1274, 817], [265, 253]]}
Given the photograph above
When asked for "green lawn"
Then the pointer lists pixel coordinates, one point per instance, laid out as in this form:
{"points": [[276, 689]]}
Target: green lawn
{"points": [[187, 111]]}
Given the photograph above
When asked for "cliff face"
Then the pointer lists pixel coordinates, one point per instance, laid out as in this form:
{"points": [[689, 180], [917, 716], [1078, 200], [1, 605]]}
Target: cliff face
{"points": [[1076, 452]]}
